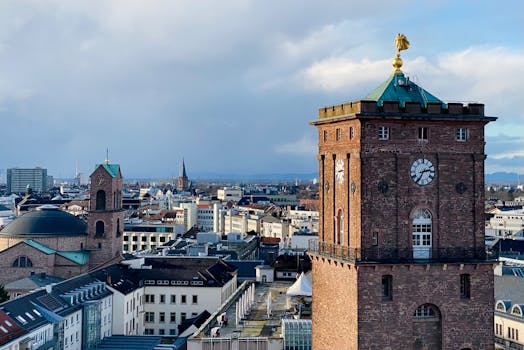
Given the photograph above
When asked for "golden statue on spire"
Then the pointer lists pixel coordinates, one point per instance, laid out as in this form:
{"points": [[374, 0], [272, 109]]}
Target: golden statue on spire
{"points": [[402, 43]]}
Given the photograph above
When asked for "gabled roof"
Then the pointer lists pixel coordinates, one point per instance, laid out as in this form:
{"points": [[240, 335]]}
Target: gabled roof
{"points": [[112, 169], [79, 257], [400, 89]]}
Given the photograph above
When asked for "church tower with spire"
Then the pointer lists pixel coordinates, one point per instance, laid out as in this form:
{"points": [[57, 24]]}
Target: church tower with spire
{"points": [[400, 262], [182, 180]]}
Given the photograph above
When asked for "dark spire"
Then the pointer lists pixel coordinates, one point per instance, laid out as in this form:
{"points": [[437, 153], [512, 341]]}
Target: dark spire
{"points": [[183, 170]]}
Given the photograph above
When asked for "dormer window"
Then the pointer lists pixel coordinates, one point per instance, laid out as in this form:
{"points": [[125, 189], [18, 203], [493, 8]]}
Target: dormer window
{"points": [[383, 133], [422, 133]]}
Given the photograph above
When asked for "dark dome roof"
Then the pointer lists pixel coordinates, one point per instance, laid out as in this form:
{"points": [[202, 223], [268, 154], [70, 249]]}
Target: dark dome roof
{"points": [[46, 220]]}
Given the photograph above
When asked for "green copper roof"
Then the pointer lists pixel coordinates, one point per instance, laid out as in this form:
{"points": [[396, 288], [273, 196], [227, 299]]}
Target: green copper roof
{"points": [[399, 88], [37, 245], [79, 256], [112, 169]]}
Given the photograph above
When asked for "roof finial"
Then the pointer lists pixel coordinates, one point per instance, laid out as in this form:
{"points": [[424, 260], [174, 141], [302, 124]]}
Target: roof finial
{"points": [[107, 156], [402, 43]]}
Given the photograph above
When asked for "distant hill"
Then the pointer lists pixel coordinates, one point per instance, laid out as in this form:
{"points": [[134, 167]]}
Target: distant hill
{"points": [[504, 178]]}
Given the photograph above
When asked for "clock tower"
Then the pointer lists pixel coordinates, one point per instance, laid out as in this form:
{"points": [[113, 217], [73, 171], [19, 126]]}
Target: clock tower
{"points": [[400, 261]]}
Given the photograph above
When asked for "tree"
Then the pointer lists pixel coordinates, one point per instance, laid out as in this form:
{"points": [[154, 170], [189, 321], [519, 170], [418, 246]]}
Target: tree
{"points": [[3, 294]]}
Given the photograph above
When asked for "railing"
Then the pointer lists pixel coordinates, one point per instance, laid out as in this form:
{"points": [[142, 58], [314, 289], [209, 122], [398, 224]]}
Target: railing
{"points": [[394, 255], [508, 344]]}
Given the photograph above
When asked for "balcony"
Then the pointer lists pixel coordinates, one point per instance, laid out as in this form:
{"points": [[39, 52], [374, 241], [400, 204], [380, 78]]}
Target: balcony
{"points": [[394, 255], [507, 344]]}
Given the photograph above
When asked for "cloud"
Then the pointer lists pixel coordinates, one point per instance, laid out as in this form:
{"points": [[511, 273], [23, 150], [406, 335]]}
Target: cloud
{"points": [[505, 164], [305, 146]]}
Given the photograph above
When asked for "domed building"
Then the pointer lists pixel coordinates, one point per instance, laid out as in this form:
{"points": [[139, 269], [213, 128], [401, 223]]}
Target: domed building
{"points": [[50, 226], [49, 240]]}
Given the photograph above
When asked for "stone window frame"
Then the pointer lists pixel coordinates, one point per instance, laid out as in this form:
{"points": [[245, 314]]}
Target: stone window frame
{"points": [[22, 258], [383, 133], [461, 134], [387, 287], [422, 133], [465, 286]]}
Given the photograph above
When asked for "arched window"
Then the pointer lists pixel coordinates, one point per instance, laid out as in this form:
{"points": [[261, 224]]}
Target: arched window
{"points": [[422, 234], [426, 311], [22, 261], [99, 229], [516, 310], [100, 200], [501, 306]]}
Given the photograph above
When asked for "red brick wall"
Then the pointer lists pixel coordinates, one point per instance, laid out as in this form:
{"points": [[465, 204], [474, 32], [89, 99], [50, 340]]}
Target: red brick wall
{"points": [[334, 305], [109, 245], [465, 322]]}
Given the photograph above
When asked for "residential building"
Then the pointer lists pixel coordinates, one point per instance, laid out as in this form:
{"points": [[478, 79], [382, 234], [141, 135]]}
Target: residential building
{"points": [[509, 306], [154, 295], [149, 235], [230, 194], [19, 179], [506, 223]]}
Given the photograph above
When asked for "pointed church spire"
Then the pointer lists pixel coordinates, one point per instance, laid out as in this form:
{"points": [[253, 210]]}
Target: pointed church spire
{"points": [[183, 170]]}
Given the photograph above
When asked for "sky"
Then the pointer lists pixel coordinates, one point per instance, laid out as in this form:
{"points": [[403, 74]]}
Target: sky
{"points": [[230, 86]]}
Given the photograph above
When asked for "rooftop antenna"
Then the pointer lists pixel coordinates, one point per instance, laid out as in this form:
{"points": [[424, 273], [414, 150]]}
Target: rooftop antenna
{"points": [[107, 156], [76, 168]]}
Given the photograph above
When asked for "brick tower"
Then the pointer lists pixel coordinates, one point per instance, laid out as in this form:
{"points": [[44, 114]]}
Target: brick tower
{"points": [[106, 217], [400, 262], [182, 180]]}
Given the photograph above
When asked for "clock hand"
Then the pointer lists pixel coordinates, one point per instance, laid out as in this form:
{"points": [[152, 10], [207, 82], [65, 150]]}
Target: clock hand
{"points": [[421, 174]]}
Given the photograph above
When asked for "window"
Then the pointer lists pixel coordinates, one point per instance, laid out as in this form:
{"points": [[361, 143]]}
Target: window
{"points": [[425, 311], [387, 287], [149, 317], [351, 133], [161, 331], [183, 299], [173, 299], [172, 317], [183, 316], [501, 307], [461, 134], [126, 238], [172, 331], [161, 317], [465, 287], [375, 238], [383, 133], [99, 228], [100, 200], [149, 331], [195, 299], [422, 133], [325, 135], [162, 299], [143, 239], [338, 134], [516, 310], [162, 239], [150, 298], [22, 261], [135, 238]]}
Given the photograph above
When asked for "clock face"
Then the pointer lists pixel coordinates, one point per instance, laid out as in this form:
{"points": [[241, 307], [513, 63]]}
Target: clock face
{"points": [[339, 171], [422, 171]]}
